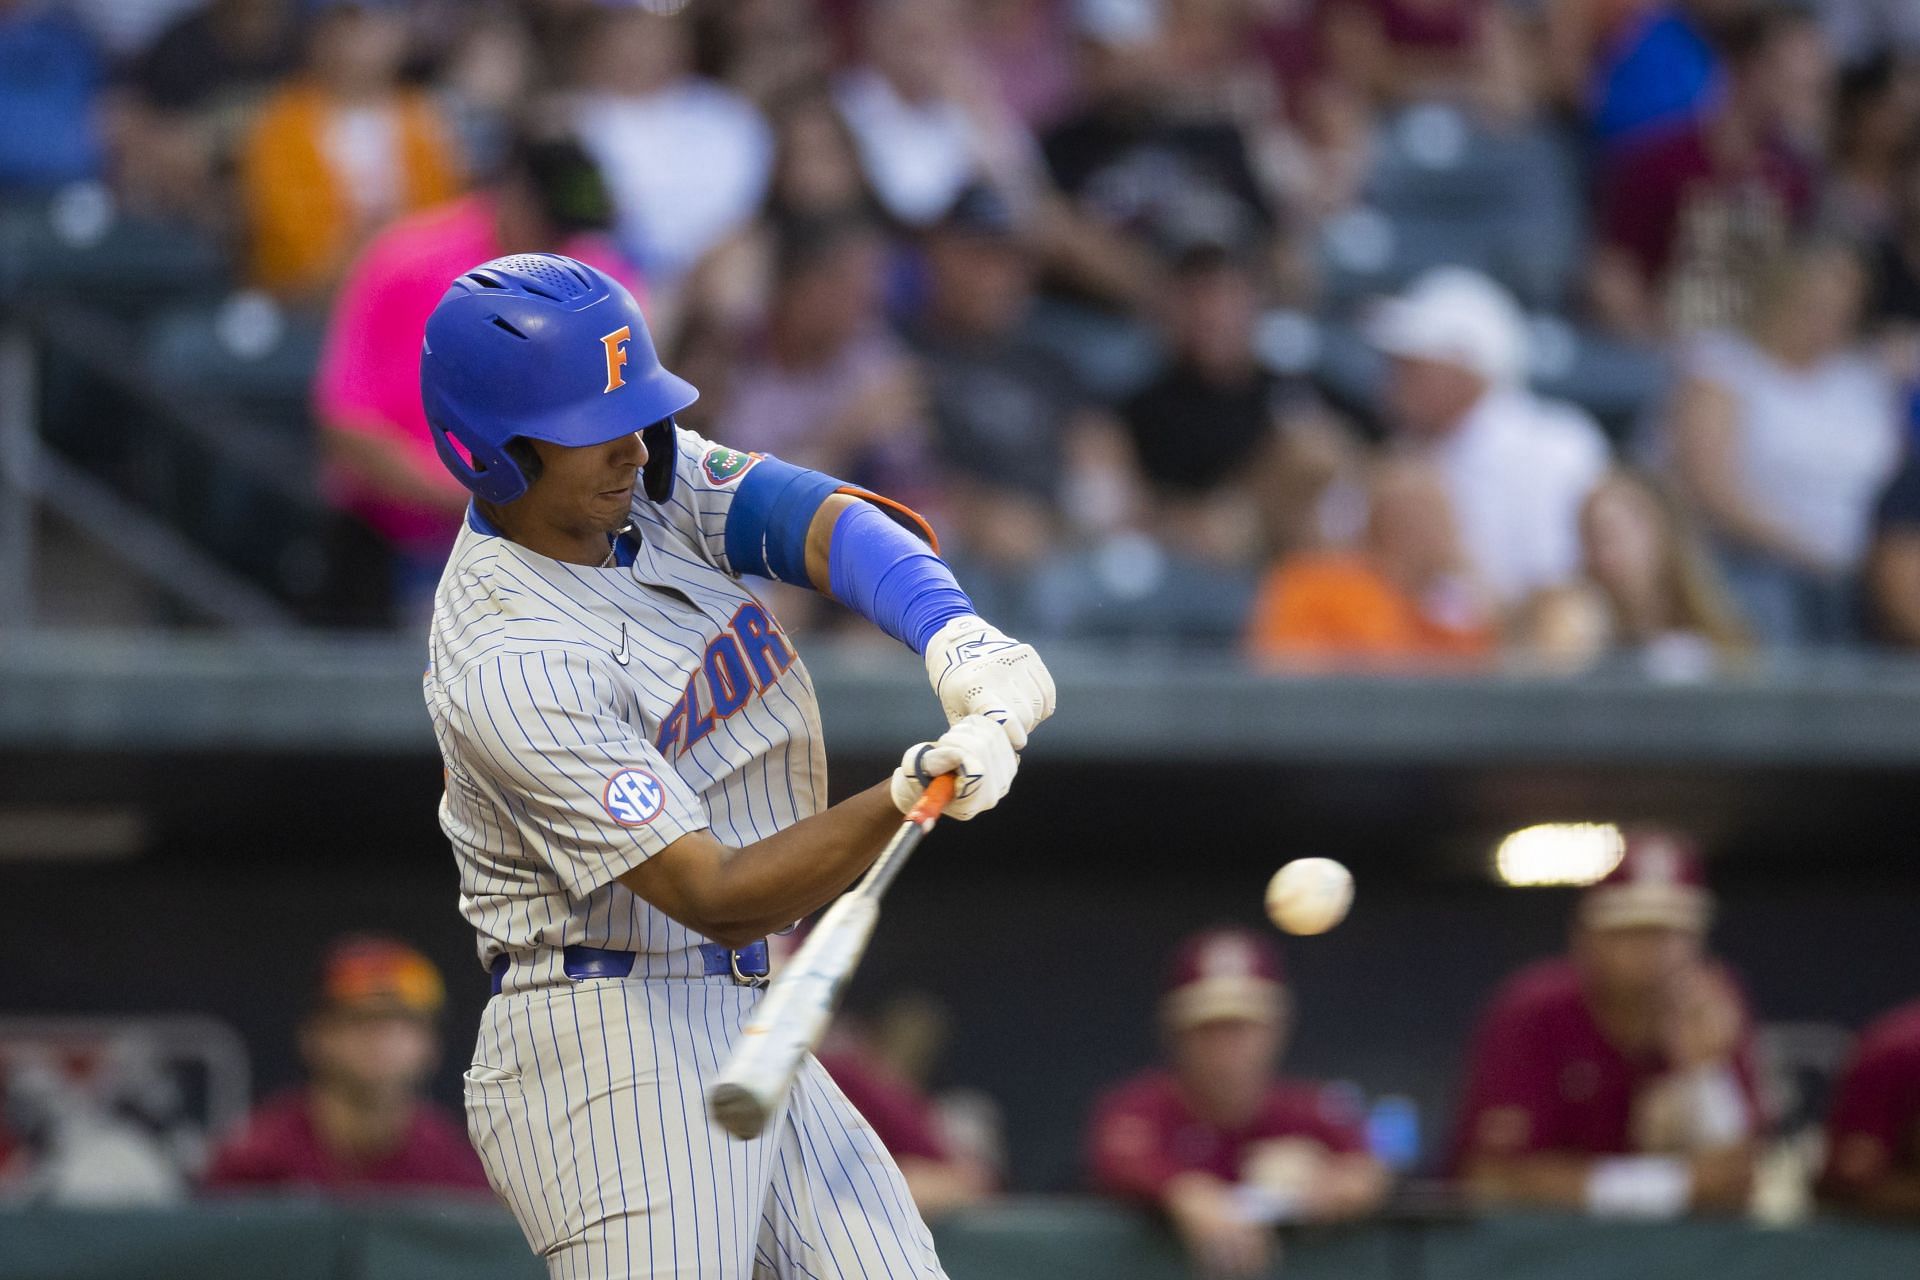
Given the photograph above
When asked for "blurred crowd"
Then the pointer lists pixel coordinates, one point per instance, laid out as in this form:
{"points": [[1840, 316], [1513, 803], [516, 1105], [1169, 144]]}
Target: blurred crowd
{"points": [[1552, 332], [1623, 1078]]}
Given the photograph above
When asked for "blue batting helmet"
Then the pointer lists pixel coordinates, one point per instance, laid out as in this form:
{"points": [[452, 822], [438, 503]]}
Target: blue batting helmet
{"points": [[542, 346]]}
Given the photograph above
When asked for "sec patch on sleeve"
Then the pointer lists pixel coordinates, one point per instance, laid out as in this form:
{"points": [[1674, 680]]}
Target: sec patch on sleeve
{"points": [[633, 797], [724, 465]]}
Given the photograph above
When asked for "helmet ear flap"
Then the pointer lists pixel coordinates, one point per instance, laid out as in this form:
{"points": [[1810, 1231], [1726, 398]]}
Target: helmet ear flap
{"points": [[661, 440], [483, 467]]}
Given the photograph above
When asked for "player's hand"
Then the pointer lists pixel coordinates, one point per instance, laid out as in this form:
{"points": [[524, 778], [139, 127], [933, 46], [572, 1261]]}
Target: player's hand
{"points": [[975, 751], [979, 670], [1217, 1235], [1702, 1023]]}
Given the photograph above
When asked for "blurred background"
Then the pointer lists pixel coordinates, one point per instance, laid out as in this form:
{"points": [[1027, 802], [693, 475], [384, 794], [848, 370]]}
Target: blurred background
{"points": [[1433, 434]]}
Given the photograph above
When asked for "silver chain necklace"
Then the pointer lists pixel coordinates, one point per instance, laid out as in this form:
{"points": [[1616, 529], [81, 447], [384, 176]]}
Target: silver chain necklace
{"points": [[613, 546]]}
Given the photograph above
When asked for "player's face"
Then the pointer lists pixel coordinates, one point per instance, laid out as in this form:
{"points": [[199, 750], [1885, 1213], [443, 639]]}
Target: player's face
{"points": [[586, 489], [1640, 963], [373, 1055], [1429, 397], [1228, 1061]]}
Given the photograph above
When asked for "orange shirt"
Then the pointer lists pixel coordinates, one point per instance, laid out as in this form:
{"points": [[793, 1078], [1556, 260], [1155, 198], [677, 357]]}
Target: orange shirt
{"points": [[1337, 605], [301, 221]]}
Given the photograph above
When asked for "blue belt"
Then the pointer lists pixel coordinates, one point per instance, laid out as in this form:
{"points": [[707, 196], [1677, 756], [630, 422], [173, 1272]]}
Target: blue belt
{"points": [[748, 966]]}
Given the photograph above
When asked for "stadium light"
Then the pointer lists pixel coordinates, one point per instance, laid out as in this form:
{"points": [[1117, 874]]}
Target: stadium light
{"points": [[1558, 853]]}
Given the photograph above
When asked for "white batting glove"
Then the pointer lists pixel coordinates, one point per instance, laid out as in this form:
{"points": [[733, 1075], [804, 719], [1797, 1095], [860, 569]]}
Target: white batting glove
{"points": [[976, 751], [979, 670]]}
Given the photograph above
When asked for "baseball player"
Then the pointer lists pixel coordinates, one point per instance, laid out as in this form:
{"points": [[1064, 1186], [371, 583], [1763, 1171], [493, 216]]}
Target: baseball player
{"points": [[636, 785]]}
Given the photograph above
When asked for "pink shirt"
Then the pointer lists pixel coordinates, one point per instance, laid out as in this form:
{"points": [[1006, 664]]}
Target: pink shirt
{"points": [[278, 1147], [369, 375], [1144, 1134]]}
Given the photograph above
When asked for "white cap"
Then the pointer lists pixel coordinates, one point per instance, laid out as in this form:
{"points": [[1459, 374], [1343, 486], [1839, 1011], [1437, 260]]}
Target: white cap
{"points": [[1455, 316]]}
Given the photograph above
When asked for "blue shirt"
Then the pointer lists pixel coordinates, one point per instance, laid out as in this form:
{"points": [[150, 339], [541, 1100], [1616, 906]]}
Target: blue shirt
{"points": [[1661, 72], [50, 73]]}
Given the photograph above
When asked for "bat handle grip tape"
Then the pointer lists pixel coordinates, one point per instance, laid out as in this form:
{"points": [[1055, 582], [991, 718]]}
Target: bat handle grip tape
{"points": [[932, 800]]}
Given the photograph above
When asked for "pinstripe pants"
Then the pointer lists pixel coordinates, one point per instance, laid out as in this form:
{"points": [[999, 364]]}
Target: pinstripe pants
{"points": [[587, 1104]]}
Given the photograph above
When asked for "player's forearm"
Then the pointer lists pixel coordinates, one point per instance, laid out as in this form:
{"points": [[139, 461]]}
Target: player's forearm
{"points": [[735, 896], [1896, 1195], [1545, 1181]]}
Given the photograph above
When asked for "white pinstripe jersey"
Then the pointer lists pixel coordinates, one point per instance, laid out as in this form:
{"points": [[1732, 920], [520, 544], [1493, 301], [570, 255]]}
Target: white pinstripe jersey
{"points": [[588, 718]]}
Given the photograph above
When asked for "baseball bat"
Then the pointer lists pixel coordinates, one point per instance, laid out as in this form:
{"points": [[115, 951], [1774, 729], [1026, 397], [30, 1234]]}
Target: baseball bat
{"points": [[788, 1022]]}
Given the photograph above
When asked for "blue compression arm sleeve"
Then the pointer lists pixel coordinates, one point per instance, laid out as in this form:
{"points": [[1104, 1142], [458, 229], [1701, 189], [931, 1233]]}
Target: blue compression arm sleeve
{"points": [[891, 578], [768, 522]]}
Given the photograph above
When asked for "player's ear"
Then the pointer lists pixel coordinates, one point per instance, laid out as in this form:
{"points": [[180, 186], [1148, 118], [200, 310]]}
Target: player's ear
{"points": [[526, 457]]}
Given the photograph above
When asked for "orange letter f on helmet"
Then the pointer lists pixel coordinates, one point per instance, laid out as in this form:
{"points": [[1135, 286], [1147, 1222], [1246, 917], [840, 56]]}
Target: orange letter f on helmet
{"points": [[616, 345]]}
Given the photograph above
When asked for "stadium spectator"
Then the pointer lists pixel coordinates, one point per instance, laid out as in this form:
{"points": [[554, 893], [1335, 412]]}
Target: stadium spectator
{"points": [[190, 98], [1893, 566], [1894, 274], [769, 50], [1873, 1132], [816, 176], [687, 159], [1875, 118], [827, 385], [1517, 467], [1026, 51], [1685, 212], [1782, 437], [220, 57], [924, 115], [1028, 459], [381, 465], [1211, 431], [1132, 167], [1404, 596], [361, 1123], [51, 75], [339, 152], [1620, 1079], [1638, 67], [1217, 1140], [1402, 51], [1650, 593], [486, 76]]}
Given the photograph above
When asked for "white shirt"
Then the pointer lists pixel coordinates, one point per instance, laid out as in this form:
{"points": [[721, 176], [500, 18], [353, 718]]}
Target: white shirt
{"points": [[588, 718], [1519, 469], [1815, 445], [686, 167], [919, 156]]}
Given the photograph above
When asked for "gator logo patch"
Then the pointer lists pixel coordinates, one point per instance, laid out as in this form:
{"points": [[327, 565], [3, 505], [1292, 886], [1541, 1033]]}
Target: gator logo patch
{"points": [[724, 466]]}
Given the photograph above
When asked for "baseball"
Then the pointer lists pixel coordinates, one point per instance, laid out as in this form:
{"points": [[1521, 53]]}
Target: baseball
{"points": [[1309, 895]]}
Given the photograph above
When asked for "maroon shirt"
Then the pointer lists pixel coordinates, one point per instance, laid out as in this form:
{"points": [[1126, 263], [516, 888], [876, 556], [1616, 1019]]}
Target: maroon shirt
{"points": [[1874, 1129], [1429, 25], [1144, 1134], [901, 1118], [279, 1147], [1647, 194], [1544, 1077]]}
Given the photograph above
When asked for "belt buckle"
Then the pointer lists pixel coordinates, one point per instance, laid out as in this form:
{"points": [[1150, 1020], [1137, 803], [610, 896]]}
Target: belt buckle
{"points": [[745, 979]]}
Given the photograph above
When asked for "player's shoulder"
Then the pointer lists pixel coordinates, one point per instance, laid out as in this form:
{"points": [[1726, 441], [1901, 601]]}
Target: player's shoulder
{"points": [[1316, 1108], [492, 603], [1151, 1092], [1544, 989], [1895, 1033]]}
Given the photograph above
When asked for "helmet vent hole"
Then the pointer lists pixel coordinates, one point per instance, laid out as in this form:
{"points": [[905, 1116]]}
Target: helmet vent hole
{"points": [[484, 281], [499, 322]]}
